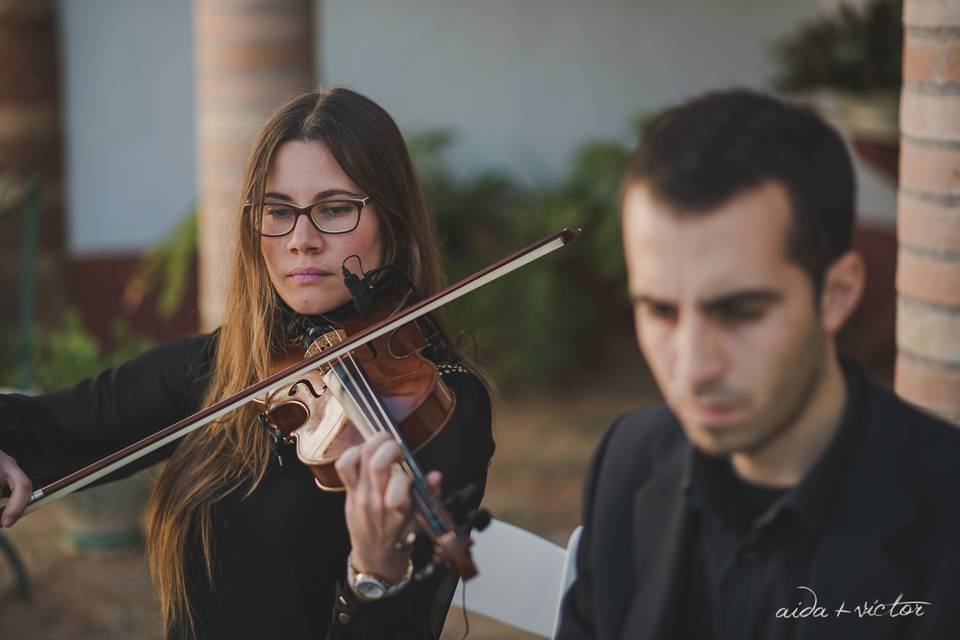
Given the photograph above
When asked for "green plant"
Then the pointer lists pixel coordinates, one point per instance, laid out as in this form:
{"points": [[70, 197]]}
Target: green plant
{"points": [[68, 353], [530, 326], [103, 518], [166, 266], [857, 50]]}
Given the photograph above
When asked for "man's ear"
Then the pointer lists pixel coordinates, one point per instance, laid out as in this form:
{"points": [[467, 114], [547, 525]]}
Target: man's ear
{"points": [[842, 289]]}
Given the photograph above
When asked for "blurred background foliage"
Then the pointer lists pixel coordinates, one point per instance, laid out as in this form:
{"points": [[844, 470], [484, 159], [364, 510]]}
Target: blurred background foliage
{"points": [[855, 49], [99, 518], [166, 267], [67, 353], [528, 329], [535, 326]]}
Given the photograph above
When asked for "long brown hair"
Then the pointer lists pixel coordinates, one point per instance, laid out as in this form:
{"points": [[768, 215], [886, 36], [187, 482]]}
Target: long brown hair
{"points": [[233, 454]]}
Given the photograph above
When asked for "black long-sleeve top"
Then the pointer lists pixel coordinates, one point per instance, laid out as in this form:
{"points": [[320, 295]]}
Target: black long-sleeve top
{"points": [[281, 551]]}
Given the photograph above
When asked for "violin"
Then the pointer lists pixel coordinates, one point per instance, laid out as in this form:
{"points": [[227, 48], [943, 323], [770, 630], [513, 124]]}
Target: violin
{"points": [[354, 398], [388, 385]]}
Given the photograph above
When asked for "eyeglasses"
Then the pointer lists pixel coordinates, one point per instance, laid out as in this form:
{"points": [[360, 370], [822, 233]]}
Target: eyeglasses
{"points": [[327, 216]]}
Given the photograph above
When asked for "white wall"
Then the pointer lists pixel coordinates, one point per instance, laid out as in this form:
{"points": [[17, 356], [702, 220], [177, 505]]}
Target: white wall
{"points": [[521, 82], [128, 118], [524, 81]]}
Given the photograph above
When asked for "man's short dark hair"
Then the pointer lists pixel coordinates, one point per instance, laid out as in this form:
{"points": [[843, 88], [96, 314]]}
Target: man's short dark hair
{"points": [[700, 154]]}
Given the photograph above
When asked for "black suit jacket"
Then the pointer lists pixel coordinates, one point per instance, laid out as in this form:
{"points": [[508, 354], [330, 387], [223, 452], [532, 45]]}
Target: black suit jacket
{"points": [[895, 529]]}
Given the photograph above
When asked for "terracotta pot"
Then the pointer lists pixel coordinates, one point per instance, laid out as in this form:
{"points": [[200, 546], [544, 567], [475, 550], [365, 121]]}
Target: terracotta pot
{"points": [[873, 117], [870, 116]]}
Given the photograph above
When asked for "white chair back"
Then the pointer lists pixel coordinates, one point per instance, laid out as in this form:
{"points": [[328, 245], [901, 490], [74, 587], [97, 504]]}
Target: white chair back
{"points": [[522, 578], [569, 574]]}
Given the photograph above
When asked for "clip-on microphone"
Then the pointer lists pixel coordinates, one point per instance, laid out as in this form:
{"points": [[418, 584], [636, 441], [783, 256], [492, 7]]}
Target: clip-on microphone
{"points": [[360, 290]]}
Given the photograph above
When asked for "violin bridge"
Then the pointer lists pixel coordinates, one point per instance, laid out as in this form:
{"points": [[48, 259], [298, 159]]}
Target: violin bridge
{"points": [[325, 340]]}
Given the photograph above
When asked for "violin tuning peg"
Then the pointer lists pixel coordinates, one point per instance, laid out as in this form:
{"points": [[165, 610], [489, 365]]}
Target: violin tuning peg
{"points": [[479, 519], [470, 492], [457, 500], [453, 501]]}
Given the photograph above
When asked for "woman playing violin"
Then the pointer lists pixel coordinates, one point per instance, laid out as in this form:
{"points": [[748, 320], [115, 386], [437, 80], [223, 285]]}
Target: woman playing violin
{"points": [[241, 542]]}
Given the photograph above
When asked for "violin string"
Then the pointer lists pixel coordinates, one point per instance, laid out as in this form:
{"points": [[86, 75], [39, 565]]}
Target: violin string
{"points": [[421, 493], [376, 408], [380, 420], [327, 344], [366, 408], [372, 405]]}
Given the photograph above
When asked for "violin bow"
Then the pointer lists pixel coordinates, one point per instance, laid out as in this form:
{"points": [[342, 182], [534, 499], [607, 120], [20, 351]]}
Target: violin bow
{"points": [[96, 470]]}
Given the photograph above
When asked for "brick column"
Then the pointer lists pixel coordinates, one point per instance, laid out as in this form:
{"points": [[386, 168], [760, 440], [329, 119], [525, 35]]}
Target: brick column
{"points": [[928, 229], [250, 56], [30, 145]]}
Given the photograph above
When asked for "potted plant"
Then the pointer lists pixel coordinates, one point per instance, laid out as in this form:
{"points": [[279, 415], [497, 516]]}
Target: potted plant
{"points": [[108, 517], [847, 64]]}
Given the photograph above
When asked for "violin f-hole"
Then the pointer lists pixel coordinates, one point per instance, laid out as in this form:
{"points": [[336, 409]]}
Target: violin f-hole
{"points": [[308, 384]]}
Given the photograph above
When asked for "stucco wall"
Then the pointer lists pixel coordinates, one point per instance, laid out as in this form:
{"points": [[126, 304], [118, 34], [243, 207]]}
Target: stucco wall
{"points": [[521, 82], [524, 81], [128, 101]]}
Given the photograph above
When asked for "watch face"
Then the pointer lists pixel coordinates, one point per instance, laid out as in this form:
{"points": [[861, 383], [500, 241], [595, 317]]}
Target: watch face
{"points": [[370, 589]]}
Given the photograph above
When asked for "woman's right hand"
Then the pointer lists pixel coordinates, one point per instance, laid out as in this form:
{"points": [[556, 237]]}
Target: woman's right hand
{"points": [[11, 475]]}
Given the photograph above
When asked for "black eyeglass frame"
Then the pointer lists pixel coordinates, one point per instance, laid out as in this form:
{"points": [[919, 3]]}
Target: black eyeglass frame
{"points": [[305, 211]]}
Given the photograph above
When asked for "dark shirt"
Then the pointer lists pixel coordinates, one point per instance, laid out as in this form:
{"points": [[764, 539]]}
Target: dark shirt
{"points": [[280, 552], [752, 546], [885, 530]]}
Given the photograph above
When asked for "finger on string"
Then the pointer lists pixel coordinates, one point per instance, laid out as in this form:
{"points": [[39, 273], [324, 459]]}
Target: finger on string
{"points": [[369, 490], [380, 466], [435, 480], [367, 449], [348, 467], [397, 493]]}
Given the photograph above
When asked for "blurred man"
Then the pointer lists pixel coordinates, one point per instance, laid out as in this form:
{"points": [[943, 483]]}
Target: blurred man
{"points": [[779, 493]]}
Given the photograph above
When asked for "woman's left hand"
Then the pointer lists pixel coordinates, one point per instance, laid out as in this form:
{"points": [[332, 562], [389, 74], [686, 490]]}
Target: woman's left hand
{"points": [[378, 506]]}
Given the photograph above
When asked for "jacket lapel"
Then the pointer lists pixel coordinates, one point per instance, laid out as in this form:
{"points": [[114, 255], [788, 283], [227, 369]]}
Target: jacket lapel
{"points": [[660, 529], [855, 566]]}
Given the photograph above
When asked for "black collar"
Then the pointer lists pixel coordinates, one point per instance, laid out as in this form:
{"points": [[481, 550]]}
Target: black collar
{"points": [[709, 481], [296, 326]]}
